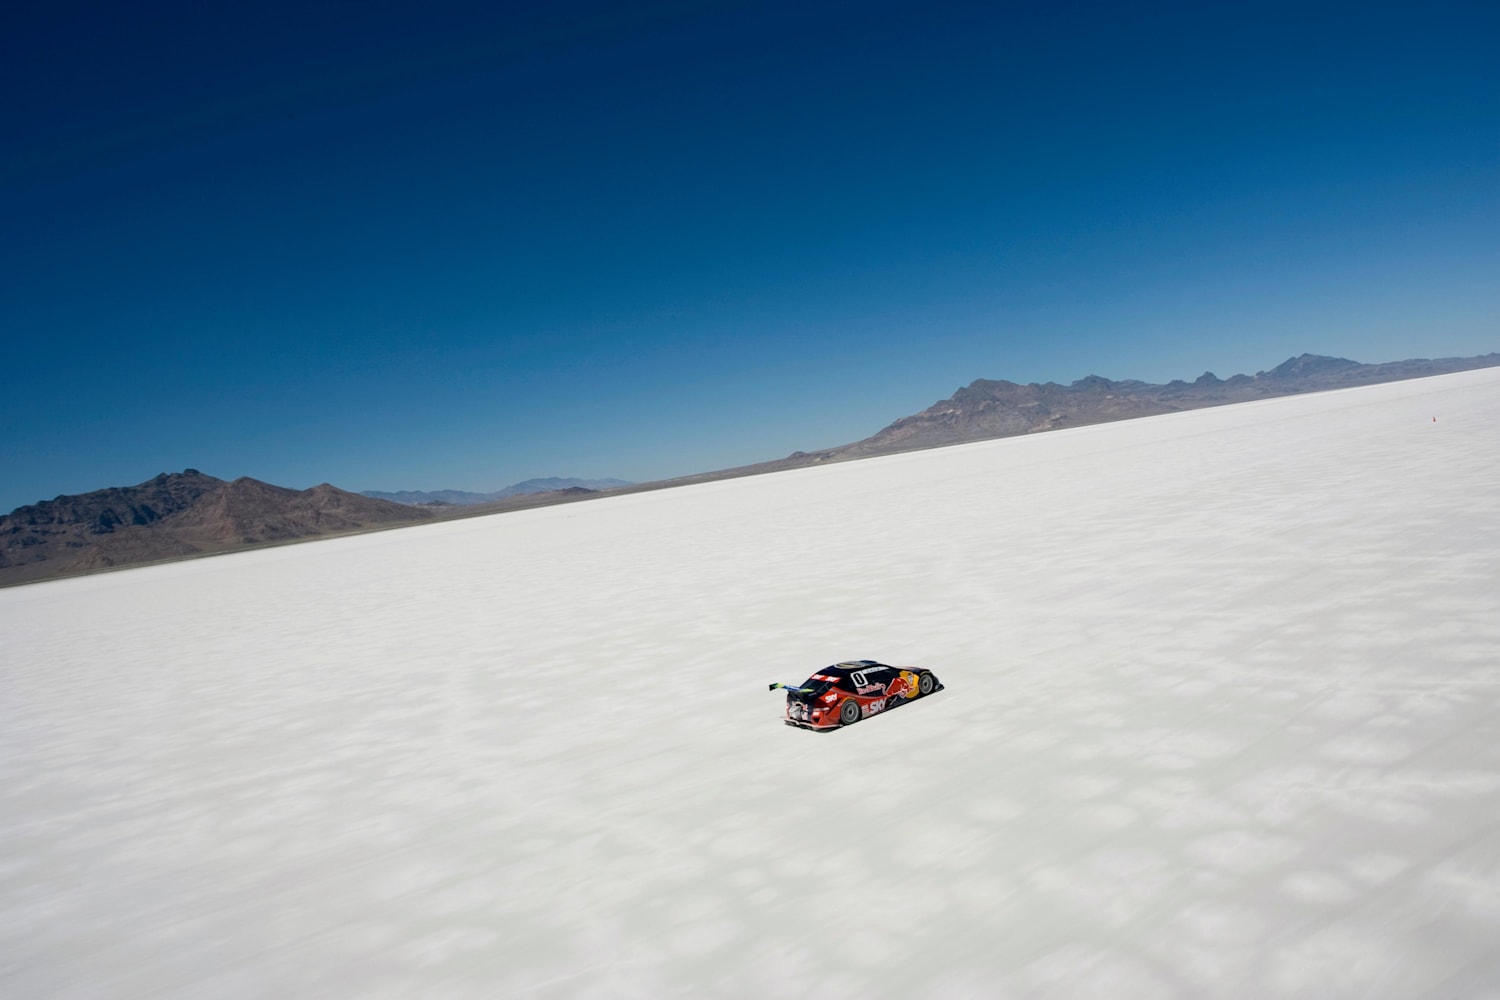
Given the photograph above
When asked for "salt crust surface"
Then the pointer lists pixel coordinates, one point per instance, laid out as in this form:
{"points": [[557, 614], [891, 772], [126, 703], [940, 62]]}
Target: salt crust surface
{"points": [[1222, 719]]}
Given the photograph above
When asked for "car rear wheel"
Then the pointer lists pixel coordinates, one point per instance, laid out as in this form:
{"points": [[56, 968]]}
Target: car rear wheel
{"points": [[849, 713], [925, 684]]}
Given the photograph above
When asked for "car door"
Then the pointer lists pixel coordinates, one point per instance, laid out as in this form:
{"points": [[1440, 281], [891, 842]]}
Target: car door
{"points": [[870, 687]]}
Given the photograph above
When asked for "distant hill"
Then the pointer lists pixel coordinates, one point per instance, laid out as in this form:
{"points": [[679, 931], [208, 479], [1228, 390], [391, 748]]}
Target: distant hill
{"points": [[987, 409], [176, 515], [465, 498]]}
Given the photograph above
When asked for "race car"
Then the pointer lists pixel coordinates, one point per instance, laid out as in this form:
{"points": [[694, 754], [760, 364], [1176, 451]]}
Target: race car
{"points": [[846, 692]]}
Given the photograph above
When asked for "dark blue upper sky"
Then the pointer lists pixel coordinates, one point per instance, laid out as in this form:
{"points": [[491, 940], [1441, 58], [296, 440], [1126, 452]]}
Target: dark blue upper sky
{"points": [[400, 246]]}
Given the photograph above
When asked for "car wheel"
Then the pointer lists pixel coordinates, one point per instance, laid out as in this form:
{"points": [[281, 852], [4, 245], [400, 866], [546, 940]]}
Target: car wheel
{"points": [[849, 713], [925, 684]]}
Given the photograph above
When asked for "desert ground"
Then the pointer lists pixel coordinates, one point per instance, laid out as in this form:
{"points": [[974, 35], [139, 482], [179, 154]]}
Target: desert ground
{"points": [[1221, 719]]}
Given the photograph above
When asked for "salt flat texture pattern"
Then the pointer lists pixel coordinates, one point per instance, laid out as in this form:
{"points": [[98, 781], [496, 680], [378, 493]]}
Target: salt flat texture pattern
{"points": [[1222, 719]]}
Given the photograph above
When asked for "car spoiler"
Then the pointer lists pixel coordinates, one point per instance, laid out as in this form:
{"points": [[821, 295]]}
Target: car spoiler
{"points": [[790, 687]]}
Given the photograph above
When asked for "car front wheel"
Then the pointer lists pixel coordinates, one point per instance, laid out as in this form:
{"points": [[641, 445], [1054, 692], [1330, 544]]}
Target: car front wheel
{"points": [[848, 713], [925, 684]]}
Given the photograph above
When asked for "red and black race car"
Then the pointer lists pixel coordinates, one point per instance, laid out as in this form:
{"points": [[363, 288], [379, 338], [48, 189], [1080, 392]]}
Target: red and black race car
{"points": [[846, 692]]}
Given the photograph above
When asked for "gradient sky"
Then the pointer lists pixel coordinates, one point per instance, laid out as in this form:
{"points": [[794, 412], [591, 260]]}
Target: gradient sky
{"points": [[397, 246]]}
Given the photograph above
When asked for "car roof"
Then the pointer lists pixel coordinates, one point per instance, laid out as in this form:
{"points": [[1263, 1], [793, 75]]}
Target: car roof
{"points": [[839, 671], [848, 667]]}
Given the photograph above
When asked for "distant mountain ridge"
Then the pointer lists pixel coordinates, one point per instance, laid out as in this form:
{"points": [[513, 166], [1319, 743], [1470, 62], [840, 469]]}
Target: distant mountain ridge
{"points": [[986, 409], [179, 515], [551, 484], [175, 515]]}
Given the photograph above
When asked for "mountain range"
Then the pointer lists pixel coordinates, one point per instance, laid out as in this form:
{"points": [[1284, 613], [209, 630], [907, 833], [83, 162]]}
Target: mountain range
{"points": [[186, 514], [177, 515], [464, 498], [986, 409]]}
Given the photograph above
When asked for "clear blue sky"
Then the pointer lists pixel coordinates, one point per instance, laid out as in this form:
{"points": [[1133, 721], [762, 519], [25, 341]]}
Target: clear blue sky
{"points": [[422, 246]]}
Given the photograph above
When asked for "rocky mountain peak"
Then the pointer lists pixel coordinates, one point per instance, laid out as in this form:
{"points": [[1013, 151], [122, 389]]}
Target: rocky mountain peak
{"points": [[173, 515], [1305, 365]]}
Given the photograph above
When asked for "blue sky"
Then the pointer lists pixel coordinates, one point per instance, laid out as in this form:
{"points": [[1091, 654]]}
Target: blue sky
{"points": [[394, 246]]}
